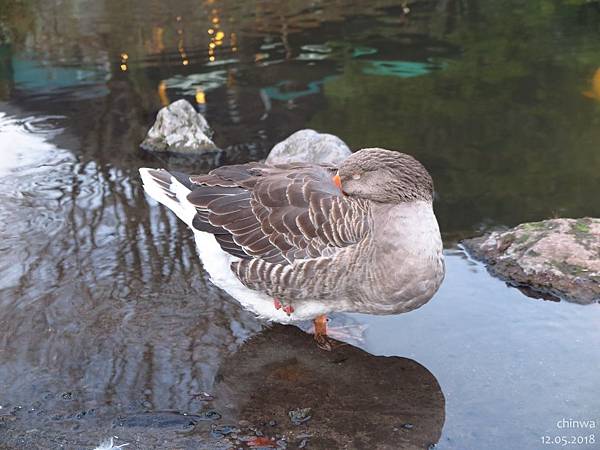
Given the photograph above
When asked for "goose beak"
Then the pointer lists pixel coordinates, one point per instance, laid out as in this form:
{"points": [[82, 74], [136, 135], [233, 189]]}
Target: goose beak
{"points": [[337, 181]]}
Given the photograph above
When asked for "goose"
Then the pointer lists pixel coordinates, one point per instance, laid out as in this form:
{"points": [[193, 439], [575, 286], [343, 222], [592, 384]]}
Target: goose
{"points": [[298, 241]]}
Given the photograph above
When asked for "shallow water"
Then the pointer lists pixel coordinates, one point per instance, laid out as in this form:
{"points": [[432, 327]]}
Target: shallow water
{"points": [[105, 309]]}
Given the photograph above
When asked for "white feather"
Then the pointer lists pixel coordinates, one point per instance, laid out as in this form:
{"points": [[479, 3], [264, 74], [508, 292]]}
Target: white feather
{"points": [[184, 209], [109, 445]]}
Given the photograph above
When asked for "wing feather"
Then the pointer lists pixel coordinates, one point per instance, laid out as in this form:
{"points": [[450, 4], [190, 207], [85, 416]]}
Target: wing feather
{"points": [[276, 214]]}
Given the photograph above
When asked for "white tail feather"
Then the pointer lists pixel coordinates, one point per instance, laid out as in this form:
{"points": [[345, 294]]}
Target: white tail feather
{"points": [[180, 206]]}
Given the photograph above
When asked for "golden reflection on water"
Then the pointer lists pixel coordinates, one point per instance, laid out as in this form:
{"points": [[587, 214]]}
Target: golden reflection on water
{"points": [[594, 92], [200, 97], [162, 93]]}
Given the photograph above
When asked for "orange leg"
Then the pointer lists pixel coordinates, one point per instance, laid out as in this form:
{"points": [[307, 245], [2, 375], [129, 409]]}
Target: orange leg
{"points": [[320, 324]]}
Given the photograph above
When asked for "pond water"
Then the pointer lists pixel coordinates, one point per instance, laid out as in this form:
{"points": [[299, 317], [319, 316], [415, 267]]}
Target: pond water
{"points": [[108, 322]]}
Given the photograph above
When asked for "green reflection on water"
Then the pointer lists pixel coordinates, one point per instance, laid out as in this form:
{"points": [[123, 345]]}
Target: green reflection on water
{"points": [[505, 128]]}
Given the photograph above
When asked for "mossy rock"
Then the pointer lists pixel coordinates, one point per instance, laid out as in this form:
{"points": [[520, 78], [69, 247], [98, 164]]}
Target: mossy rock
{"points": [[554, 259]]}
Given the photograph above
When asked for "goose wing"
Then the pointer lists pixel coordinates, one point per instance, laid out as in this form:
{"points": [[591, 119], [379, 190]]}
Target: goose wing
{"points": [[277, 214]]}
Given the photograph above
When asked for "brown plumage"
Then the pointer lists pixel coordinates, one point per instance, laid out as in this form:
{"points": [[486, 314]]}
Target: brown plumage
{"points": [[276, 214]]}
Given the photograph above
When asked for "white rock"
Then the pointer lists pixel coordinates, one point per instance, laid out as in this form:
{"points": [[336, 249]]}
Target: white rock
{"points": [[179, 128], [309, 146]]}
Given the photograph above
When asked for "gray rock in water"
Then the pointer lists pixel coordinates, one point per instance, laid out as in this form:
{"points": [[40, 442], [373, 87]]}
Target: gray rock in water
{"points": [[179, 128], [554, 259], [309, 146]]}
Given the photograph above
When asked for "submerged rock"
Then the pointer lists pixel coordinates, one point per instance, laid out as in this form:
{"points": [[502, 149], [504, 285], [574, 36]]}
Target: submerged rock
{"points": [[553, 259], [179, 128], [299, 415], [309, 146]]}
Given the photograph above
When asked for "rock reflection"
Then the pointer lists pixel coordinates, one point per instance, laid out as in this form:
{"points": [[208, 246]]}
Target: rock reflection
{"points": [[356, 400]]}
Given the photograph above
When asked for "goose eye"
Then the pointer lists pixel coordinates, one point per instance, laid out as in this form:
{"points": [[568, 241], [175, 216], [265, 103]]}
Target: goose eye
{"points": [[356, 176]]}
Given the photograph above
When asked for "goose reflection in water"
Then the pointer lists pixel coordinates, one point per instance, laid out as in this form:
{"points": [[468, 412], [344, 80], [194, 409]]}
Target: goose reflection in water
{"points": [[280, 383]]}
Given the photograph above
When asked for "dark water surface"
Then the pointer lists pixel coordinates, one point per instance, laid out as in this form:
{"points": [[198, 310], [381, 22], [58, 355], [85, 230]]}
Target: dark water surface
{"points": [[105, 311]]}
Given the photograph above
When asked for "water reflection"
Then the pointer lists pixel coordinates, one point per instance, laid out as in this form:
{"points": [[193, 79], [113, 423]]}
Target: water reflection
{"points": [[102, 297], [594, 91], [26, 141], [500, 122], [356, 400]]}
